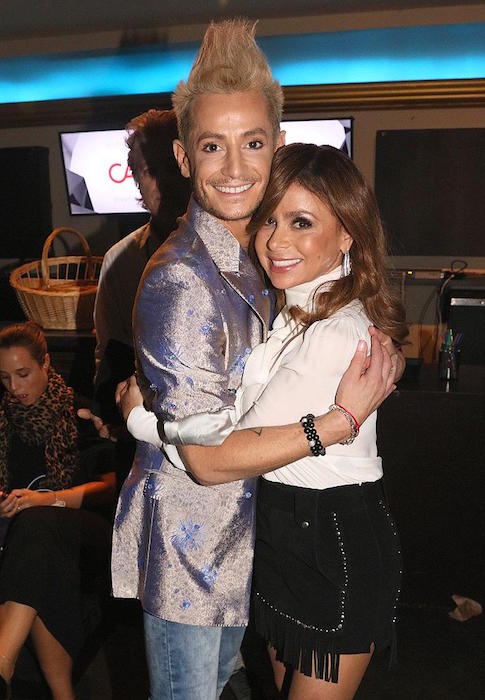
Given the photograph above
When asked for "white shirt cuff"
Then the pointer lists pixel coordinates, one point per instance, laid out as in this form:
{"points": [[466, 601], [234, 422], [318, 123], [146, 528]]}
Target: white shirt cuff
{"points": [[142, 424], [201, 428]]}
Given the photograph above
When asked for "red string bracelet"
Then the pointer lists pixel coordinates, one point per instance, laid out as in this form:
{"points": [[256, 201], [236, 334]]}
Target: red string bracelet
{"points": [[356, 422], [354, 425]]}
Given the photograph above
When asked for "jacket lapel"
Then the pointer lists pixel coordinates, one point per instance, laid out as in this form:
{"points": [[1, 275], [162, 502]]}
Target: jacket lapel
{"points": [[250, 287], [233, 263]]}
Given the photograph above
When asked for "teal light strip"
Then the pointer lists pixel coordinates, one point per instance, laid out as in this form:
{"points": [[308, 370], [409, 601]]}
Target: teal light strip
{"points": [[435, 52]]}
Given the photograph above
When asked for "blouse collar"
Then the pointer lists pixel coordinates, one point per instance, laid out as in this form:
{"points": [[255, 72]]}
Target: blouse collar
{"points": [[302, 294]]}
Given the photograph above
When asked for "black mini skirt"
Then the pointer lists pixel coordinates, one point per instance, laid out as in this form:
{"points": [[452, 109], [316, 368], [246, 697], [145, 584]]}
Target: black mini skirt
{"points": [[327, 573]]}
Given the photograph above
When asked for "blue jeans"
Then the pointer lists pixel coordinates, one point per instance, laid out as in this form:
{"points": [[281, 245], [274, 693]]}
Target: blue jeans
{"points": [[188, 662]]}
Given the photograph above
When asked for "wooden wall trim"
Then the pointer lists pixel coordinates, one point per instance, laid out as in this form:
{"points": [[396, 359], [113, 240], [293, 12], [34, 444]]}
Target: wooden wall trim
{"points": [[394, 95], [96, 111], [116, 111]]}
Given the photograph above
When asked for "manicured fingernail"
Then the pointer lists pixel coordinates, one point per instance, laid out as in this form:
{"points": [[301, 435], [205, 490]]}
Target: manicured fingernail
{"points": [[362, 345]]}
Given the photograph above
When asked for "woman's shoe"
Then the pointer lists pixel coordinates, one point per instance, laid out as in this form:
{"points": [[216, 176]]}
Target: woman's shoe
{"points": [[5, 690]]}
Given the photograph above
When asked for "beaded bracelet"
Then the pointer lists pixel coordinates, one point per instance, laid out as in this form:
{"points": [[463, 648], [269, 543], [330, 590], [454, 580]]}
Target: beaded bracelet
{"points": [[316, 447], [352, 421]]}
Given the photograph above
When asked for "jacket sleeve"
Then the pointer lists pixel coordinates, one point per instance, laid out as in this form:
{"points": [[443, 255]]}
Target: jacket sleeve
{"points": [[180, 342], [199, 429]]}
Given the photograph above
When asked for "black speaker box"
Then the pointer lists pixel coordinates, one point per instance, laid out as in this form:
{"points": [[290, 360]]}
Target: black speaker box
{"points": [[466, 314], [10, 309], [25, 201]]}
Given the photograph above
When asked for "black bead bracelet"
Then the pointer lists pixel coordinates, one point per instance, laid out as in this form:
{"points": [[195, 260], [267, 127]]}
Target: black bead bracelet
{"points": [[316, 447]]}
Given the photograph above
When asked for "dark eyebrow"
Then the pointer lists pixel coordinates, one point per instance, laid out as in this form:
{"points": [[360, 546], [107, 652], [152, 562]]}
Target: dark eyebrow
{"points": [[299, 212], [209, 135], [258, 131]]}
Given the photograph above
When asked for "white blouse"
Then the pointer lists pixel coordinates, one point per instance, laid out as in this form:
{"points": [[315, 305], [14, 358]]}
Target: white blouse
{"points": [[292, 374], [295, 373]]}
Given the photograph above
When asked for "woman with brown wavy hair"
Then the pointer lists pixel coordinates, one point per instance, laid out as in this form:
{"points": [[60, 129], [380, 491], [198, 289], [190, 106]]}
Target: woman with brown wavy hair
{"points": [[332, 177], [327, 561]]}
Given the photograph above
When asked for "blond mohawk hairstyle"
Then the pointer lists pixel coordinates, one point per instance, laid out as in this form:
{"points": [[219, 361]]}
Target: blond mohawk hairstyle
{"points": [[229, 60]]}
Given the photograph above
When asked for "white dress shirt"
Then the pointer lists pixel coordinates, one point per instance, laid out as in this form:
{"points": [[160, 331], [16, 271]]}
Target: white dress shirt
{"points": [[295, 373]]}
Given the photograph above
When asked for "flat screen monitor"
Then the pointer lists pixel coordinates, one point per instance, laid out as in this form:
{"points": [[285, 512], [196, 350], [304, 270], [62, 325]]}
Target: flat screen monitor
{"points": [[430, 185], [98, 178], [331, 132], [99, 181]]}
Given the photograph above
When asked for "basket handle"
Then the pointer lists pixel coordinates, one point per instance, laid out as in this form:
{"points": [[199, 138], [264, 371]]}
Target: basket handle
{"points": [[48, 242]]}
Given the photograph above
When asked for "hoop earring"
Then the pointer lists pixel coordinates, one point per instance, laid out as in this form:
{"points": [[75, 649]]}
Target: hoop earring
{"points": [[346, 264]]}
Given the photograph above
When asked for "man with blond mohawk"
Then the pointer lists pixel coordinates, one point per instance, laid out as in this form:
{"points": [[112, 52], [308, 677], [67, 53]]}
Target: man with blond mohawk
{"points": [[183, 548]]}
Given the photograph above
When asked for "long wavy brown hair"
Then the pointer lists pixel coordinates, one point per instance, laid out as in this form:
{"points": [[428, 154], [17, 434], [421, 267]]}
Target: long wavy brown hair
{"points": [[332, 176]]}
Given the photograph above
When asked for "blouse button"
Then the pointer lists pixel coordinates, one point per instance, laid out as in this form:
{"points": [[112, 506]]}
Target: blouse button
{"points": [[251, 298], [305, 524], [265, 292]]}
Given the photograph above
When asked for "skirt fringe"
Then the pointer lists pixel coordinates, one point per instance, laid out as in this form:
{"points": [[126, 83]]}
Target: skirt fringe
{"points": [[298, 646]]}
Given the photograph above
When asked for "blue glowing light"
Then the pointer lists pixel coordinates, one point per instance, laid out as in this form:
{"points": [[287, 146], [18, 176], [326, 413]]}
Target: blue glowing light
{"points": [[434, 52]]}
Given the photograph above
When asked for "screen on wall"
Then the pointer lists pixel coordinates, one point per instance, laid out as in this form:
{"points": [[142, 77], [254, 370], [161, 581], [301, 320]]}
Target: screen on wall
{"points": [[331, 132], [98, 178], [99, 181], [431, 193]]}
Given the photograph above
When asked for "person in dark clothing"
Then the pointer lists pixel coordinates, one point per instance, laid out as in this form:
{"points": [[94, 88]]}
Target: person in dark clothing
{"points": [[40, 467], [164, 192]]}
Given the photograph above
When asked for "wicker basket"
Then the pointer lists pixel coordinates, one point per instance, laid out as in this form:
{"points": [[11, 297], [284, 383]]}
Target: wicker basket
{"points": [[59, 293]]}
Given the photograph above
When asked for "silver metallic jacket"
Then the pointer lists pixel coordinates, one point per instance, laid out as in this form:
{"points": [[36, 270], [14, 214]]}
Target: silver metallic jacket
{"points": [[183, 549]]}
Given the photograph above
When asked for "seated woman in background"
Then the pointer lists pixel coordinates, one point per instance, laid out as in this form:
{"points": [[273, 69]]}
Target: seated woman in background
{"points": [[40, 575]]}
